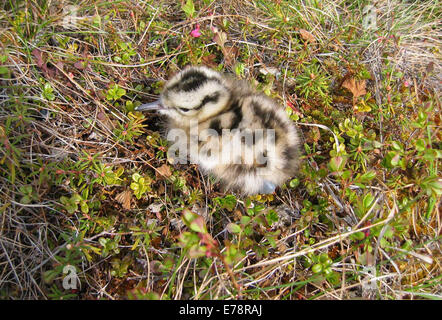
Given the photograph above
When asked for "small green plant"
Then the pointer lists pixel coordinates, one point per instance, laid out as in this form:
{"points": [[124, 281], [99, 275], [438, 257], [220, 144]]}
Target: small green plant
{"points": [[71, 203], [110, 246], [360, 144], [312, 213], [314, 83], [28, 193], [48, 92], [198, 243], [105, 176], [228, 202], [189, 8], [131, 129], [322, 267], [253, 208], [115, 93], [125, 53], [140, 185], [57, 294], [159, 143], [145, 233], [120, 266], [4, 71]]}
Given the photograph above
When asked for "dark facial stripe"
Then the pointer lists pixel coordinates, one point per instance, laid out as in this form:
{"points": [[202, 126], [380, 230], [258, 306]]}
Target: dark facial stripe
{"points": [[237, 115], [290, 153], [192, 80], [266, 116], [210, 98], [189, 81], [215, 124]]}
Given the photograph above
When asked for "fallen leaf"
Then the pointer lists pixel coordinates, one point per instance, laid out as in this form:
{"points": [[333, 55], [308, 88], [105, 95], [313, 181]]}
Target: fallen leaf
{"points": [[307, 36], [437, 119], [101, 116], [60, 66], [220, 38], [314, 135], [209, 61], [230, 55], [430, 67], [104, 121], [164, 171], [80, 65], [38, 55], [357, 88], [125, 199]]}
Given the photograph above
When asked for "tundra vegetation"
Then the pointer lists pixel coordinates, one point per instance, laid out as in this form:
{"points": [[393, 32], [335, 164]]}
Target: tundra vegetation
{"points": [[85, 181]]}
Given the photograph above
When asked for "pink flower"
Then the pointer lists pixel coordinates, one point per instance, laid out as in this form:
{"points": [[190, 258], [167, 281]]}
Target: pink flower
{"points": [[196, 32]]}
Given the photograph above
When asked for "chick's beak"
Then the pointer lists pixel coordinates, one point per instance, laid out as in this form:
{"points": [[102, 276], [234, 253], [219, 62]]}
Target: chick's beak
{"points": [[156, 105]]}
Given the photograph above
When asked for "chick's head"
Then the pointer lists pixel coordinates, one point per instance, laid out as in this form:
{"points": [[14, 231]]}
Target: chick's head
{"points": [[196, 93]]}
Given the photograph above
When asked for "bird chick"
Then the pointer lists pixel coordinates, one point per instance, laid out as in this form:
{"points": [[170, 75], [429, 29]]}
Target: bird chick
{"points": [[241, 137]]}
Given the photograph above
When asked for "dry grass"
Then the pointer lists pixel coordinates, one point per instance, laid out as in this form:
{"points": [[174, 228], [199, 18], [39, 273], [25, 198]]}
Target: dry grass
{"points": [[44, 138]]}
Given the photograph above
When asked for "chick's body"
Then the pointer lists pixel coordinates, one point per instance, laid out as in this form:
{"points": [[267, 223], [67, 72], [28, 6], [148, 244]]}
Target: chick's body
{"points": [[241, 137]]}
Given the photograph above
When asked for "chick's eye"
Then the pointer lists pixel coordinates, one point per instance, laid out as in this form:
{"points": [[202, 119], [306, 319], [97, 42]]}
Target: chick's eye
{"points": [[184, 109]]}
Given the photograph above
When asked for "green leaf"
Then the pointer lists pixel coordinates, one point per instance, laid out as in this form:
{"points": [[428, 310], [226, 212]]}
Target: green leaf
{"points": [[198, 225], [189, 9], [25, 200], [3, 70], [239, 69], [194, 221], [323, 258], [196, 251], [136, 177], [367, 200], [431, 185], [84, 207], [368, 176], [272, 217], [391, 159], [76, 198], [294, 183], [245, 220], [395, 159], [420, 145], [430, 154], [357, 236], [337, 164], [189, 216], [121, 92], [233, 228], [317, 268], [228, 202], [397, 146], [134, 186]]}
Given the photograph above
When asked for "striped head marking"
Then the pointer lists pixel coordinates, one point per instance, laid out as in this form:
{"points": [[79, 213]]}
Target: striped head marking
{"points": [[196, 93]]}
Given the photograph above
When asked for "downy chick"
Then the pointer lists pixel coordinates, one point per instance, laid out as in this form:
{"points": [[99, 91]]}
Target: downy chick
{"points": [[241, 137]]}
